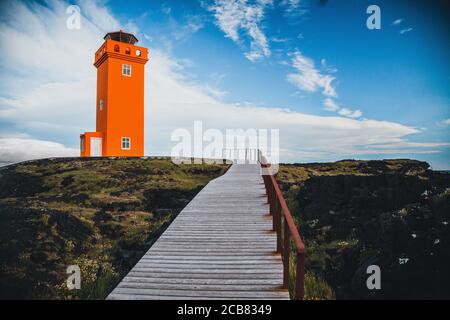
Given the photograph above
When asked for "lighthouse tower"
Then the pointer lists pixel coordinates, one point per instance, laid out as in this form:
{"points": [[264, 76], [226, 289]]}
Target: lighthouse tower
{"points": [[120, 99]]}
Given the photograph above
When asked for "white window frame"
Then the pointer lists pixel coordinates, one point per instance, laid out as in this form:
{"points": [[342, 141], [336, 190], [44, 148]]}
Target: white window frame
{"points": [[122, 141], [126, 67]]}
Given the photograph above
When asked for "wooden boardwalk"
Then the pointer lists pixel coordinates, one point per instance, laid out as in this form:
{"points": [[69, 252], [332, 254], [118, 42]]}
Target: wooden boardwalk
{"points": [[220, 246]]}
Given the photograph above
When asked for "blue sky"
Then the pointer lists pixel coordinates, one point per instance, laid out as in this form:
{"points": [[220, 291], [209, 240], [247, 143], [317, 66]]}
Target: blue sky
{"points": [[334, 88]]}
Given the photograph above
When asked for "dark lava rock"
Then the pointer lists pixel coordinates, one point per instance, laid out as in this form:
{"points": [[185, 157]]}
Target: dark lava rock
{"points": [[396, 218]]}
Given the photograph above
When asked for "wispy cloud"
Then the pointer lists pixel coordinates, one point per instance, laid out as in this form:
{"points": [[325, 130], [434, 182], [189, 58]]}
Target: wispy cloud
{"points": [[279, 40], [327, 67], [294, 9], [191, 25], [165, 8], [21, 149], [308, 78], [443, 123], [350, 113], [403, 31], [330, 105], [233, 16]]}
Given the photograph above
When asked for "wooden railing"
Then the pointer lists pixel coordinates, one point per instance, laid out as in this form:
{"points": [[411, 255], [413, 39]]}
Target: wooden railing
{"points": [[241, 155], [286, 230]]}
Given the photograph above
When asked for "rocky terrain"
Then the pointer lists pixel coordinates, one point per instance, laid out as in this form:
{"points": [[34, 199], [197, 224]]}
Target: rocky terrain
{"points": [[101, 215], [391, 213]]}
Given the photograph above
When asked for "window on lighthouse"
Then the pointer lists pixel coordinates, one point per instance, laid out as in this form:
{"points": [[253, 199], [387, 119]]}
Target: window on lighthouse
{"points": [[126, 143], [101, 104], [126, 70]]}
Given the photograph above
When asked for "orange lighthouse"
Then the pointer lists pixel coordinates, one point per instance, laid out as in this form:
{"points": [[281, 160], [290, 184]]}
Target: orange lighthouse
{"points": [[120, 99]]}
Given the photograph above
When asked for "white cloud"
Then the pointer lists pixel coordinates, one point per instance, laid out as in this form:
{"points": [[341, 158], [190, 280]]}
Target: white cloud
{"points": [[99, 15], [403, 31], [294, 9], [327, 67], [21, 149], [443, 123], [291, 4], [166, 9], [309, 78], [235, 15], [330, 105], [58, 108], [279, 40], [409, 144], [350, 113]]}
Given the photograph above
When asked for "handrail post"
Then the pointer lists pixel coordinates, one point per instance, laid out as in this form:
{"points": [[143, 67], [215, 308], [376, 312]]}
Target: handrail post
{"points": [[300, 281], [286, 254], [272, 204], [274, 213], [278, 224]]}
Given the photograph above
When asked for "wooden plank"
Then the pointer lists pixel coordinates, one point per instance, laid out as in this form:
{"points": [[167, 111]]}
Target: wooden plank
{"points": [[223, 247], [209, 262], [148, 279], [221, 276], [219, 238], [210, 258], [199, 287], [120, 296], [206, 251], [219, 246], [206, 270], [202, 293], [206, 266]]}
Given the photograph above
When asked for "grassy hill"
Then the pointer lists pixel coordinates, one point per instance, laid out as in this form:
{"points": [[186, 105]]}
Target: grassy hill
{"points": [[352, 214], [99, 214], [104, 214]]}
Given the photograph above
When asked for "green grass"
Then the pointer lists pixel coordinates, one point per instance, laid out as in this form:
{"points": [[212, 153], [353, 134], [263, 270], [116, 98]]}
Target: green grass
{"points": [[332, 216], [317, 288], [99, 214]]}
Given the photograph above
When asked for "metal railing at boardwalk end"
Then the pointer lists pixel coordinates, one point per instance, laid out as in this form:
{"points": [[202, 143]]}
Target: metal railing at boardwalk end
{"points": [[287, 231]]}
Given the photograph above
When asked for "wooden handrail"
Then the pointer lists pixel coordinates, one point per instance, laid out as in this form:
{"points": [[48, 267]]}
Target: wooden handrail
{"points": [[300, 246], [284, 226]]}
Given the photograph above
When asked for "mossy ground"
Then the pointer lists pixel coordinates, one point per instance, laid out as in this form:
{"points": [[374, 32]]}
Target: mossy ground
{"points": [[355, 213], [101, 215]]}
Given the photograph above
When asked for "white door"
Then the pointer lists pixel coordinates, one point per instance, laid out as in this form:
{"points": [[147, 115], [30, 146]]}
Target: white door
{"points": [[96, 147]]}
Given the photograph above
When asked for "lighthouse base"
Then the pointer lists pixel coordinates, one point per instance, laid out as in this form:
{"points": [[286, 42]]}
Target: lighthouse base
{"points": [[91, 144]]}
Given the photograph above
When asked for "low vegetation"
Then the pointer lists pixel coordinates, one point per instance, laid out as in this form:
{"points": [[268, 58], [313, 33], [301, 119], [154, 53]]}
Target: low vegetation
{"points": [[101, 215], [352, 214]]}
